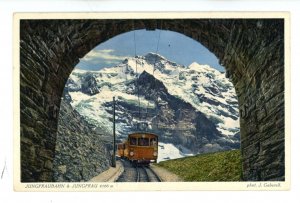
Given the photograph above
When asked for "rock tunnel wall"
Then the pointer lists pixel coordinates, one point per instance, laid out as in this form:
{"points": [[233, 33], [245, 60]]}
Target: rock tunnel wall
{"points": [[251, 50]]}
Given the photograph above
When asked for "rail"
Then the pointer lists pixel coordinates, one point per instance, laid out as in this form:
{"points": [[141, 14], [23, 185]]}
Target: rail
{"points": [[137, 173]]}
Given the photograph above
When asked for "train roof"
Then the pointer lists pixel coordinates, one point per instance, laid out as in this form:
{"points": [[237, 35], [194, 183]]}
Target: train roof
{"points": [[134, 133]]}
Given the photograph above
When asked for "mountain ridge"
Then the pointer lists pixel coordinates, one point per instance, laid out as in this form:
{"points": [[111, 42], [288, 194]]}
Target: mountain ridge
{"points": [[204, 89]]}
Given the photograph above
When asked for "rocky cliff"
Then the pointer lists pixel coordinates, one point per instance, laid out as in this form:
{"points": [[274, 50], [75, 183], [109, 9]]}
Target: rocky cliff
{"points": [[80, 153]]}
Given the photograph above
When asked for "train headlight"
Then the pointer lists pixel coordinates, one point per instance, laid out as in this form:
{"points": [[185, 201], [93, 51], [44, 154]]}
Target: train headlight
{"points": [[154, 153], [131, 153]]}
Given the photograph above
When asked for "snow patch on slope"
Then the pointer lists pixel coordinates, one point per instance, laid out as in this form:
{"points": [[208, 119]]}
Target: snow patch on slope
{"points": [[167, 151]]}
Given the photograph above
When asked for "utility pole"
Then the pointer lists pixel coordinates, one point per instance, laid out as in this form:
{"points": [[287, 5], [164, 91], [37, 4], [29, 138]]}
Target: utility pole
{"points": [[113, 163]]}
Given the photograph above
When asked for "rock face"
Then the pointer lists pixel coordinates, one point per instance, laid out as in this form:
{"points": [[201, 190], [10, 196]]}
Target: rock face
{"points": [[80, 153], [251, 50], [89, 85], [178, 121]]}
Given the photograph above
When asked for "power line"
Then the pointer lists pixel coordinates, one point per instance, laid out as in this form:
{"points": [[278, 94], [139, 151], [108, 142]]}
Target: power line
{"points": [[155, 61], [156, 52], [137, 76], [136, 70]]}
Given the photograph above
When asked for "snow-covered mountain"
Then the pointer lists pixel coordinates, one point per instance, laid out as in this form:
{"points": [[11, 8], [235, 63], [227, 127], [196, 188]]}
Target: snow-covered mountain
{"points": [[192, 107]]}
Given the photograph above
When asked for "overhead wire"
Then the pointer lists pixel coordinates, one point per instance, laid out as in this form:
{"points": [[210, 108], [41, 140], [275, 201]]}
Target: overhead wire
{"points": [[137, 75], [155, 62]]}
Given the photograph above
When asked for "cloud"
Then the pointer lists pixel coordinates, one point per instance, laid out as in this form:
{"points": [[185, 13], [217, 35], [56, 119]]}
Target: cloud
{"points": [[104, 56]]}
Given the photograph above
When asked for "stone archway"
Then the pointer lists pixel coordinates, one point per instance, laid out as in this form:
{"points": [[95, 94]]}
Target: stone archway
{"points": [[251, 50]]}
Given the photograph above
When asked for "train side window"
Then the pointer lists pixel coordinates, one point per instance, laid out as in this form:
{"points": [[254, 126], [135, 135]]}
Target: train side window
{"points": [[153, 142], [132, 141], [143, 142]]}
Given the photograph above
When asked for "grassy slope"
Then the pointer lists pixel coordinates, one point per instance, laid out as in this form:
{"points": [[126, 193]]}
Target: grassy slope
{"points": [[219, 166]]}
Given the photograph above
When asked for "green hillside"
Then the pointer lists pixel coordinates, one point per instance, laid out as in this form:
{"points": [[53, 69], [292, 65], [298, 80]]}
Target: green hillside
{"points": [[219, 166]]}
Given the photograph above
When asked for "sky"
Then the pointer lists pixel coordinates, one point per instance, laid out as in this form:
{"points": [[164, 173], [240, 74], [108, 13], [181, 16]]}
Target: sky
{"points": [[172, 45]]}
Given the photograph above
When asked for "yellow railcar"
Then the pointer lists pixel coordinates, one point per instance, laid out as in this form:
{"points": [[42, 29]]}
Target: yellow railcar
{"points": [[140, 148]]}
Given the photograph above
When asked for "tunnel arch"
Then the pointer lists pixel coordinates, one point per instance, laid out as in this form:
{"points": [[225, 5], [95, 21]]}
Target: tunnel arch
{"points": [[251, 50]]}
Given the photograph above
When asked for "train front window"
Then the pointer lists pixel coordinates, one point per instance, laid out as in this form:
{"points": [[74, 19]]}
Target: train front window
{"points": [[153, 142], [143, 142], [132, 141]]}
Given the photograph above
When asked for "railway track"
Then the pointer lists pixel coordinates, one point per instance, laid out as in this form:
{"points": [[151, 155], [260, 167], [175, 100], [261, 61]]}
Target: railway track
{"points": [[137, 174]]}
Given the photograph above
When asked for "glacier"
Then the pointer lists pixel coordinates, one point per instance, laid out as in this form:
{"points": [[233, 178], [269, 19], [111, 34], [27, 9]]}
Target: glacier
{"points": [[206, 89]]}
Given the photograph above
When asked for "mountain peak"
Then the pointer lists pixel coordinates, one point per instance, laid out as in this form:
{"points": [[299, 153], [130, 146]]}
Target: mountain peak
{"points": [[152, 54], [200, 67], [153, 57], [194, 64]]}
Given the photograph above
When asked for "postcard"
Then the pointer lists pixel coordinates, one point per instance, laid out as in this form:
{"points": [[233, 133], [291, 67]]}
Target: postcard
{"points": [[151, 101]]}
